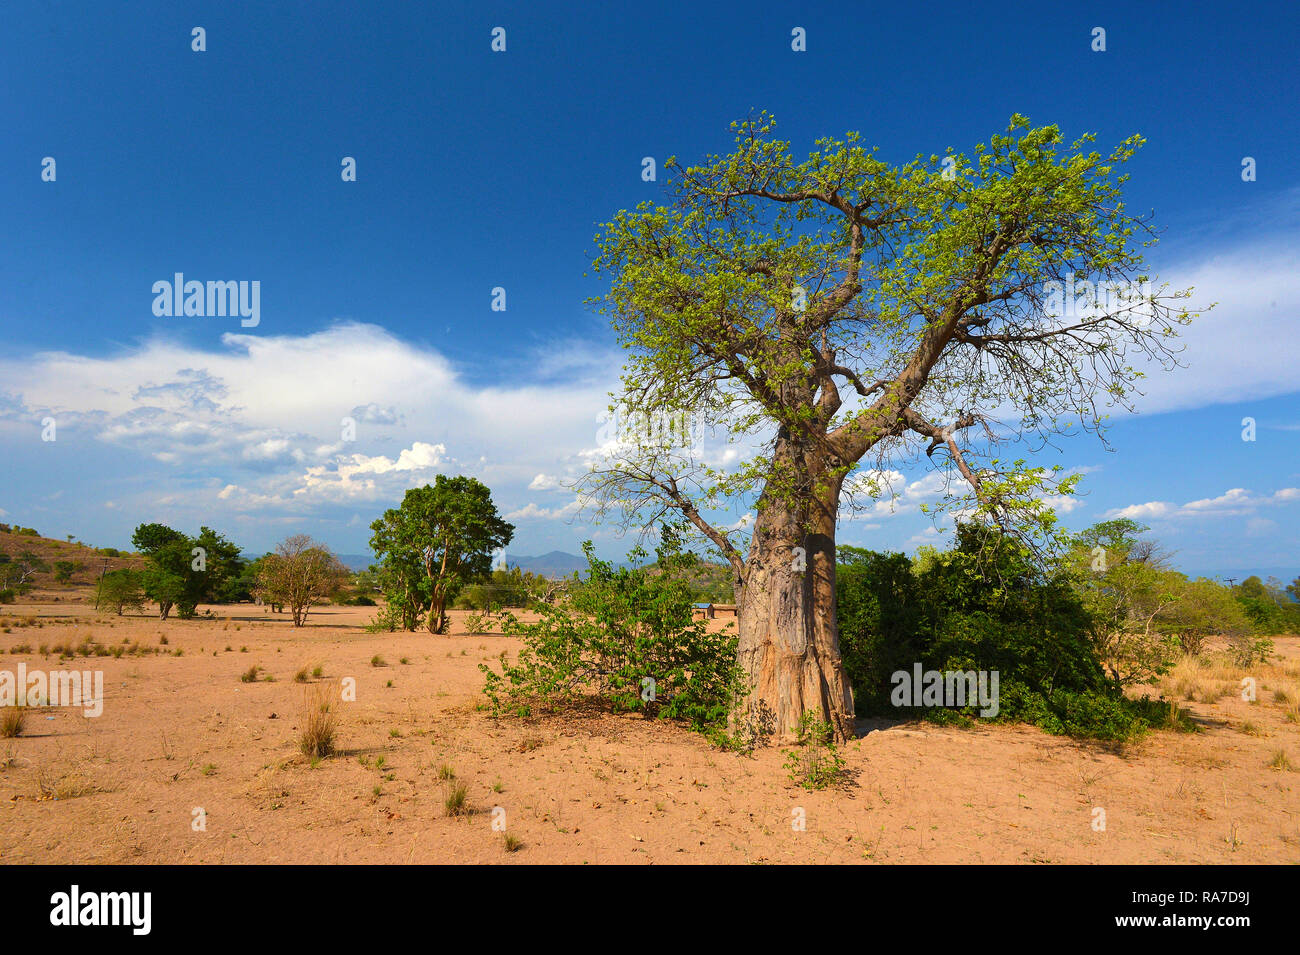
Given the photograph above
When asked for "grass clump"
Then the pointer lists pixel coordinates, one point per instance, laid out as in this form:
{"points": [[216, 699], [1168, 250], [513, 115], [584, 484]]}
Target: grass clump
{"points": [[817, 763], [457, 803], [316, 738], [12, 719]]}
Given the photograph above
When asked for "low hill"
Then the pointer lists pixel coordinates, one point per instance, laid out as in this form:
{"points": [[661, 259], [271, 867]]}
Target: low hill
{"points": [[87, 562], [557, 563]]}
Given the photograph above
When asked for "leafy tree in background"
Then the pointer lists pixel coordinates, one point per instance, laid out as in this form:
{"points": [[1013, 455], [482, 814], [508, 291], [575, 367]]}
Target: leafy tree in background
{"points": [[120, 590], [148, 538], [1267, 607], [183, 572], [64, 569], [399, 573], [441, 537], [166, 578], [840, 310], [16, 572], [300, 574], [512, 587], [167, 556], [1130, 593], [1205, 608]]}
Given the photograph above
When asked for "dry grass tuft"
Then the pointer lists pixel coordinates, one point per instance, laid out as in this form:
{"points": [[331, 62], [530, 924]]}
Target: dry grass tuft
{"points": [[12, 719], [69, 785], [316, 739], [457, 803]]}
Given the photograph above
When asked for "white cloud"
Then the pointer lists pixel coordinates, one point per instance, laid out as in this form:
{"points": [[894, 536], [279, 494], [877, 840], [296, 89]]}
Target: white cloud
{"points": [[742, 523], [1139, 512], [258, 423], [1235, 502], [1246, 347], [531, 512], [930, 535]]}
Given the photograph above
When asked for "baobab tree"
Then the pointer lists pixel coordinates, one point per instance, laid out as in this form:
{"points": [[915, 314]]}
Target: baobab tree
{"points": [[837, 317]]}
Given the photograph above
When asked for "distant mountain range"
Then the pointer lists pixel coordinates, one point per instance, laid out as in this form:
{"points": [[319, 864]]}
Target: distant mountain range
{"points": [[356, 561], [557, 563]]}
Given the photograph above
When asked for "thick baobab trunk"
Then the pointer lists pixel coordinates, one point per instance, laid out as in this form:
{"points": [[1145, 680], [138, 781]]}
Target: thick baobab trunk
{"points": [[789, 639]]}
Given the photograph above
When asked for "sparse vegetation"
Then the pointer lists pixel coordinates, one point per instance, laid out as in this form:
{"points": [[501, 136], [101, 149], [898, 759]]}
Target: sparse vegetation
{"points": [[318, 722], [12, 719], [627, 638], [816, 763], [300, 574], [456, 802]]}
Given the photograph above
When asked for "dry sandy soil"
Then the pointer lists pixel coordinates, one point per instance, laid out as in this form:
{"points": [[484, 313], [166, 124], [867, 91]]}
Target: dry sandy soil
{"points": [[183, 732]]}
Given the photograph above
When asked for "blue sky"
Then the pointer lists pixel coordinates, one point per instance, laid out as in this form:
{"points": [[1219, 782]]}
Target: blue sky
{"points": [[478, 169]]}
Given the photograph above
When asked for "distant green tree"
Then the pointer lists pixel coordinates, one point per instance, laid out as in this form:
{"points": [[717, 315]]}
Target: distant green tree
{"points": [[149, 537], [120, 590], [1266, 605], [184, 572], [441, 537], [17, 572], [400, 573]]}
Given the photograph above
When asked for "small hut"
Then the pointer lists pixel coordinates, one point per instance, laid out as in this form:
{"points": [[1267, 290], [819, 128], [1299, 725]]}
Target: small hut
{"points": [[702, 611]]}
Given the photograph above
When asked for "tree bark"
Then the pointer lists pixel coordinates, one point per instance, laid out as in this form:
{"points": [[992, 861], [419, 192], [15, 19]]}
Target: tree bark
{"points": [[436, 622], [788, 636]]}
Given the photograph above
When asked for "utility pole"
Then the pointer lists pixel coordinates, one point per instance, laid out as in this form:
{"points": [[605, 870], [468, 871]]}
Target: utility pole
{"points": [[100, 588]]}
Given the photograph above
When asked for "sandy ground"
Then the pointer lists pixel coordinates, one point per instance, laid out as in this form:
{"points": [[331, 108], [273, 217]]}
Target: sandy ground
{"points": [[182, 733]]}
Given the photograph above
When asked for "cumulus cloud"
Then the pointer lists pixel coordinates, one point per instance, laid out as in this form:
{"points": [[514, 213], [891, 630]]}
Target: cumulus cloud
{"points": [[345, 415], [1235, 502], [531, 512], [1246, 347]]}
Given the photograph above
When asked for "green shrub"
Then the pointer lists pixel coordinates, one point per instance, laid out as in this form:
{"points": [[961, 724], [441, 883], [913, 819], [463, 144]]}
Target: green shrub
{"points": [[984, 606], [817, 763], [627, 639]]}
